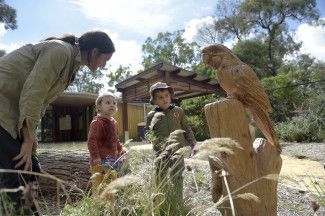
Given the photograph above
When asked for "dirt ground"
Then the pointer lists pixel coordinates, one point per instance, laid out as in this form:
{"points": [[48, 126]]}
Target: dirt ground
{"points": [[301, 173]]}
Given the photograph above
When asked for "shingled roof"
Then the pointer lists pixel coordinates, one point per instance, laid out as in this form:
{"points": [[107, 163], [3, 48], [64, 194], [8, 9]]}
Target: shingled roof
{"points": [[186, 84]]}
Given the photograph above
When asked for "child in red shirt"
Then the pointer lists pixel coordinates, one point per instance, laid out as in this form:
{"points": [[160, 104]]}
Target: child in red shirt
{"points": [[104, 146]]}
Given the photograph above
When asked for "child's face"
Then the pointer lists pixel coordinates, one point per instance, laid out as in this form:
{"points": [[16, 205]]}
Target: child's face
{"points": [[162, 99], [108, 106]]}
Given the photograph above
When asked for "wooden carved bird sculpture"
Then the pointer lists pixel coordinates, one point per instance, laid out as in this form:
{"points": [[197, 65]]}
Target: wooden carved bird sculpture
{"points": [[240, 82]]}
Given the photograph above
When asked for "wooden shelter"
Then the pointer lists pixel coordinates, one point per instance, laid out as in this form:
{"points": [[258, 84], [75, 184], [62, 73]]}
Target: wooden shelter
{"points": [[186, 84], [67, 119]]}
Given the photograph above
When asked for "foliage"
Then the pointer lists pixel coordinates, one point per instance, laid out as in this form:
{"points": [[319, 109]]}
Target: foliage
{"points": [[302, 128], [2, 52], [204, 69], [87, 81], [121, 73], [8, 16], [169, 48], [268, 21], [207, 34], [254, 53], [283, 98], [194, 109], [232, 20]]}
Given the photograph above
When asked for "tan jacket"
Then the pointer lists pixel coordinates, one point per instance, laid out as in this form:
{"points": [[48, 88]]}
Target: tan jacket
{"points": [[31, 77]]}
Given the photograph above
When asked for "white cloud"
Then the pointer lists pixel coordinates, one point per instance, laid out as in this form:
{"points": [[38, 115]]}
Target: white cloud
{"points": [[128, 52], [3, 31], [313, 38], [192, 30], [145, 16], [192, 27], [10, 47]]}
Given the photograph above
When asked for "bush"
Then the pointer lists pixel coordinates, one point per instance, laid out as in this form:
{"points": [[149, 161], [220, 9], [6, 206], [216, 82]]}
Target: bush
{"points": [[300, 129]]}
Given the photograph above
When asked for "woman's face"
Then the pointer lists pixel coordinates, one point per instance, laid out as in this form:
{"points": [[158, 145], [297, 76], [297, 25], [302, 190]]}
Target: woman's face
{"points": [[98, 59]]}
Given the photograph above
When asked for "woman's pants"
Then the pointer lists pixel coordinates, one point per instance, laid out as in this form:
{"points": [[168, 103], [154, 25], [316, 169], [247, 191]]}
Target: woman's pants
{"points": [[9, 148]]}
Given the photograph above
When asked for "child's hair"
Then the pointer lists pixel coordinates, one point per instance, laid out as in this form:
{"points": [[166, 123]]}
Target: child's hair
{"points": [[154, 93], [100, 99], [161, 87]]}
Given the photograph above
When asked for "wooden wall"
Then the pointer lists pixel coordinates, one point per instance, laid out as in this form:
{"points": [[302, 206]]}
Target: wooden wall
{"points": [[135, 116]]}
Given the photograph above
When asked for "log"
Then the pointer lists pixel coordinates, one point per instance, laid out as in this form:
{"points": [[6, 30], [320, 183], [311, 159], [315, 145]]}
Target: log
{"points": [[228, 118], [72, 167]]}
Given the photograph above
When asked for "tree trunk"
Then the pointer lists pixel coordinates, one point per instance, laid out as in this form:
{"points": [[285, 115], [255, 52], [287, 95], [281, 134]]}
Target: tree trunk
{"points": [[72, 167], [228, 118]]}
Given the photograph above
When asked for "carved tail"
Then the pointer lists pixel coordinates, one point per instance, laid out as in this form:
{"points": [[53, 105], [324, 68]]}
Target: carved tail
{"points": [[264, 123]]}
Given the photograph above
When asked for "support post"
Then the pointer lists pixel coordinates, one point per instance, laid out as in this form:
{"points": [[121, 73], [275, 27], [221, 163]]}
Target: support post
{"points": [[125, 120]]}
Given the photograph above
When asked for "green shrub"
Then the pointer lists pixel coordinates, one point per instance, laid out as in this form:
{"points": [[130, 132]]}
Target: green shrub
{"points": [[300, 129]]}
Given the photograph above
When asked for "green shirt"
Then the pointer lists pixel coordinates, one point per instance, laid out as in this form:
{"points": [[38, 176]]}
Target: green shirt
{"points": [[164, 122], [31, 77]]}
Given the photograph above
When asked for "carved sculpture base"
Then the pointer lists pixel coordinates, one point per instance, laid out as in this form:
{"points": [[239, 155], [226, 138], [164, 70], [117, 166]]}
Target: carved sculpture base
{"points": [[228, 118]]}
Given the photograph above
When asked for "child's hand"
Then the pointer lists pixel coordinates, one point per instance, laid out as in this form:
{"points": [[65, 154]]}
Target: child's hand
{"points": [[193, 148], [97, 161], [123, 152]]}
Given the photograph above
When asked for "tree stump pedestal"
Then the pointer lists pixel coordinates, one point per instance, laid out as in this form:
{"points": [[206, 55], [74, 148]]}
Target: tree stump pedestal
{"points": [[228, 118]]}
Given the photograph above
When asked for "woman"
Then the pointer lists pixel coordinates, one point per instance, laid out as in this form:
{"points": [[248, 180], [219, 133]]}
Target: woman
{"points": [[31, 77]]}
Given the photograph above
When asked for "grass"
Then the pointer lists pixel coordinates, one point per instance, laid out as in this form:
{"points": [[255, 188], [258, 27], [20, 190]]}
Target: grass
{"points": [[136, 195]]}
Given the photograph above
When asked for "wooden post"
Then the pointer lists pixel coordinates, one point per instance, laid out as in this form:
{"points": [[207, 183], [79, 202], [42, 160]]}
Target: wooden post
{"points": [[125, 119], [228, 118]]}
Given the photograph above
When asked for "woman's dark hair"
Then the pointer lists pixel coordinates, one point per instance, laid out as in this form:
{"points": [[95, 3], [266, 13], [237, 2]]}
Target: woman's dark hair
{"points": [[69, 38], [96, 39], [88, 41]]}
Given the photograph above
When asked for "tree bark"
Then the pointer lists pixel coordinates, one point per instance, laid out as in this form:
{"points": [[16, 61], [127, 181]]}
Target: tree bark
{"points": [[228, 118], [72, 167]]}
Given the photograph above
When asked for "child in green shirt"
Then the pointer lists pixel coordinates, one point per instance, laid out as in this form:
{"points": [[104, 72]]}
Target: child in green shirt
{"points": [[161, 122]]}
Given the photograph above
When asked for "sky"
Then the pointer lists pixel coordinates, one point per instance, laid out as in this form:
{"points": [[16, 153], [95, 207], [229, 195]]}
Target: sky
{"points": [[128, 22]]}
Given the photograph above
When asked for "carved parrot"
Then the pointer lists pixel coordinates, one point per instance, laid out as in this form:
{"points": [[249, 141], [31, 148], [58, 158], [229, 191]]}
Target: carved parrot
{"points": [[240, 82]]}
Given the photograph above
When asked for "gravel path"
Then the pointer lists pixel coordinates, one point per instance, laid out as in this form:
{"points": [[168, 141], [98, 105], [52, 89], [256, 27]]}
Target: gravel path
{"points": [[310, 151]]}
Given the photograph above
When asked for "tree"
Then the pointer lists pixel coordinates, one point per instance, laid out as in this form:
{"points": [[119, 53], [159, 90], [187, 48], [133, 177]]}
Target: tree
{"points": [[283, 97], [7, 16], [196, 116], [268, 20], [122, 73], [169, 48], [87, 81], [207, 34], [253, 53], [232, 20], [2, 52]]}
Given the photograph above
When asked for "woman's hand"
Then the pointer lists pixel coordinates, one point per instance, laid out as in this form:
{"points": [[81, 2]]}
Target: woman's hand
{"points": [[25, 155], [26, 149]]}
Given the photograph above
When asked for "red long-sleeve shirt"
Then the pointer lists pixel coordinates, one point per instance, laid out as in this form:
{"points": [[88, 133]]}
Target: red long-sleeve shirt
{"points": [[103, 140]]}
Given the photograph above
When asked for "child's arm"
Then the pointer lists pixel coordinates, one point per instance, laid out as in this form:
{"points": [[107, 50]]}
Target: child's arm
{"points": [[189, 135], [93, 137]]}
